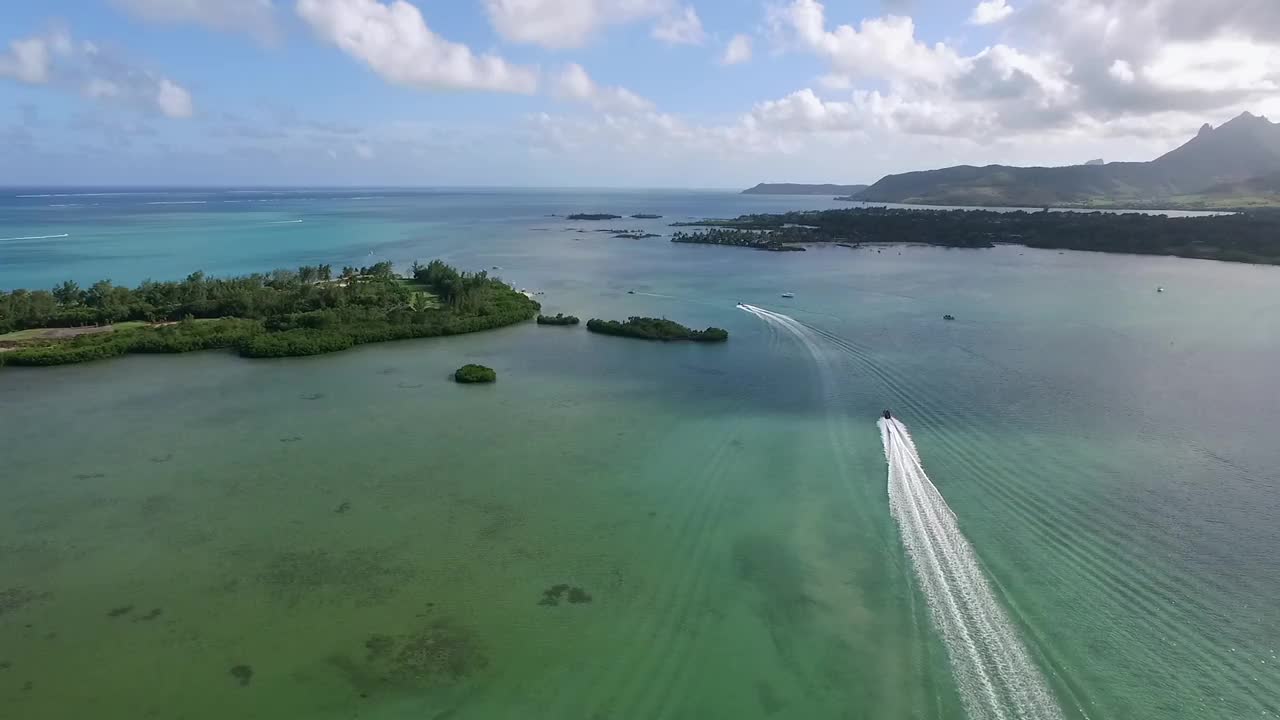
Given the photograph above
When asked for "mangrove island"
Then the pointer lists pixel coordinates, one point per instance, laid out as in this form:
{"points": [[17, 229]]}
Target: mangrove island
{"points": [[557, 319], [277, 314], [594, 216], [473, 374], [1251, 237], [647, 328]]}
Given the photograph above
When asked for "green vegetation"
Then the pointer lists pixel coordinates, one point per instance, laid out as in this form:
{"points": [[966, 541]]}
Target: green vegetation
{"points": [[1259, 192], [646, 216], [770, 240], [647, 328], [283, 313], [1251, 237], [470, 374], [636, 235], [185, 336], [594, 216], [557, 319]]}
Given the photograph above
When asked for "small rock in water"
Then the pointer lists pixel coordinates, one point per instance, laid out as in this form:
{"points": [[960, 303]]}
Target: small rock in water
{"points": [[552, 595], [117, 612], [242, 673]]}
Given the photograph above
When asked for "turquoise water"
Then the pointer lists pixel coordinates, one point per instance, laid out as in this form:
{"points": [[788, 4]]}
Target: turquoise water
{"points": [[381, 550]]}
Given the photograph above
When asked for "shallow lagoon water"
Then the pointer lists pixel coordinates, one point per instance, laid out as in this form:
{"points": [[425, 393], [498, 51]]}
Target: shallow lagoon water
{"points": [[371, 540]]}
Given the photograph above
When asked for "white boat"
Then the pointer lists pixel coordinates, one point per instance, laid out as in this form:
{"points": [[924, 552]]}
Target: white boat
{"points": [[788, 295]]}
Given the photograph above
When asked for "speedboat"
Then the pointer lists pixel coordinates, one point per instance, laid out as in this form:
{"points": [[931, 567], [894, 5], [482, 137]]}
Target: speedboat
{"points": [[887, 415], [788, 295]]}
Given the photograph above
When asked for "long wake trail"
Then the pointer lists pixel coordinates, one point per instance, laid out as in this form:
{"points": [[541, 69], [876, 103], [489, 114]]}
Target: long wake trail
{"points": [[995, 675]]}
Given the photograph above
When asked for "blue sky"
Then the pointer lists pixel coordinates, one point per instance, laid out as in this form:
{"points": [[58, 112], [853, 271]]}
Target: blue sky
{"points": [[607, 92]]}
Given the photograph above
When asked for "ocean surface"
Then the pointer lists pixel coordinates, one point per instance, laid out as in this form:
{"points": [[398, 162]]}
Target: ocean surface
{"points": [[1074, 514]]}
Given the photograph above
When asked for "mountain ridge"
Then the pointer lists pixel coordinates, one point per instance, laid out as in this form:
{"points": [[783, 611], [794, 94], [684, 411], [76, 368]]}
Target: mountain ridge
{"points": [[1237, 151]]}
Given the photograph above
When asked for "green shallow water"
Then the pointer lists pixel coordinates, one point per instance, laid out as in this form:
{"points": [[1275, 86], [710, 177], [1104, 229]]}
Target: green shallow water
{"points": [[373, 541]]}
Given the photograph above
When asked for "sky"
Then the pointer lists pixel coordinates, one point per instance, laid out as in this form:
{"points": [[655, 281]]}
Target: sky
{"points": [[614, 93]]}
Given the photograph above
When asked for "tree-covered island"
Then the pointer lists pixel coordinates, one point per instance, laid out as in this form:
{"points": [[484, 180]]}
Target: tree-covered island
{"points": [[594, 216], [277, 314], [1251, 237], [647, 328], [475, 374], [557, 319]]}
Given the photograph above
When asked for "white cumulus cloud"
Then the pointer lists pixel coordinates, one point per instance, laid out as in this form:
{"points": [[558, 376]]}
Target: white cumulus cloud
{"points": [[56, 59], [575, 84], [877, 48], [173, 99], [560, 24], [738, 50], [1122, 71], [989, 12], [30, 60], [395, 42], [680, 27]]}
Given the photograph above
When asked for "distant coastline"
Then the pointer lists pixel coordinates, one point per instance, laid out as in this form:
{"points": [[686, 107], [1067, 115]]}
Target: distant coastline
{"points": [[1249, 237], [803, 189]]}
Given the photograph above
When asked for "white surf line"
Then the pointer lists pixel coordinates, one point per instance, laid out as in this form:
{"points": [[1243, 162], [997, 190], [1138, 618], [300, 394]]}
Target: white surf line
{"points": [[994, 674], [36, 237], [284, 222]]}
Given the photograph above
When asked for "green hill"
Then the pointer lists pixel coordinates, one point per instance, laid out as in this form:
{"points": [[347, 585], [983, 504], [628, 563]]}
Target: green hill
{"points": [[1253, 193], [1245, 148]]}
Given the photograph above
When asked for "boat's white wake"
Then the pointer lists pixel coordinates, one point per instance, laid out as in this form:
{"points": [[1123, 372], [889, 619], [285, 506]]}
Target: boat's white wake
{"points": [[995, 675]]}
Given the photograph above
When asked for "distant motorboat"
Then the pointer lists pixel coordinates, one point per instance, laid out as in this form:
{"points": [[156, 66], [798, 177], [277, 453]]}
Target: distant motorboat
{"points": [[948, 317], [1160, 289], [788, 295]]}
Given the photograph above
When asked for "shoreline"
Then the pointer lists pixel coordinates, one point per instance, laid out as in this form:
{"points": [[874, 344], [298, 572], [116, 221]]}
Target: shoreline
{"points": [[1249, 238]]}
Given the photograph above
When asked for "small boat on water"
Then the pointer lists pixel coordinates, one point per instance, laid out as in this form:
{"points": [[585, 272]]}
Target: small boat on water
{"points": [[888, 415], [948, 317], [1160, 289], [788, 295]]}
